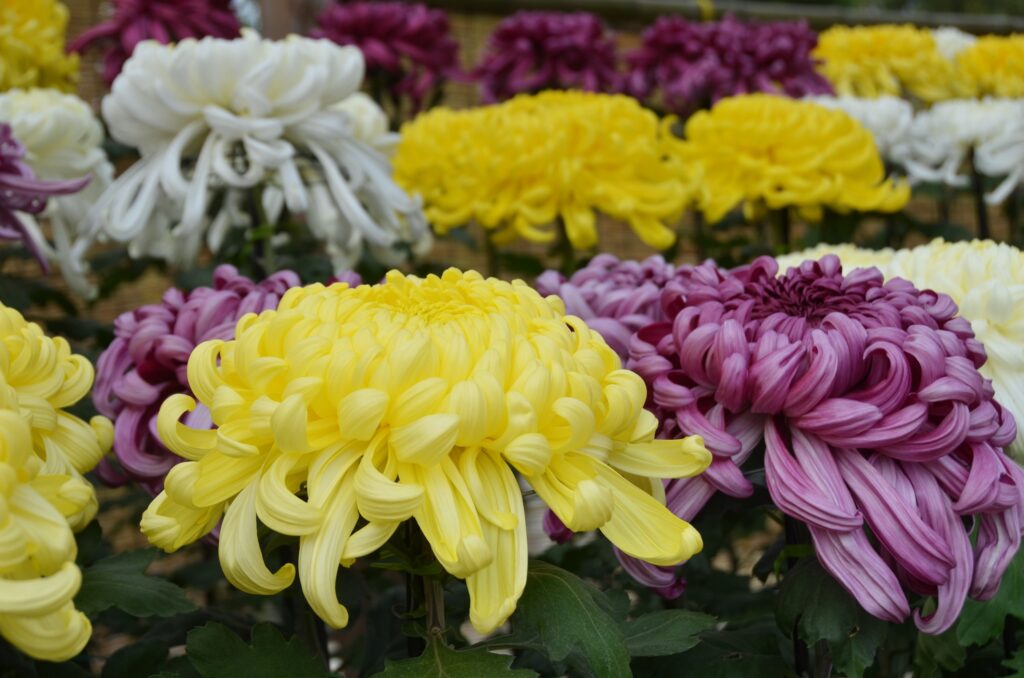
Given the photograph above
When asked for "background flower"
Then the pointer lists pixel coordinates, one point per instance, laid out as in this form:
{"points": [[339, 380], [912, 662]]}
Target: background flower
{"points": [[769, 151], [872, 410], [516, 167], [951, 41], [889, 119], [162, 20], [408, 48], [994, 66], [692, 65], [32, 45], [415, 398], [533, 51]]}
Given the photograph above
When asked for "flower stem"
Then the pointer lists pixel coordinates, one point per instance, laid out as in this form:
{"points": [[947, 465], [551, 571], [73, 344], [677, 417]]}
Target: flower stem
{"points": [[796, 533], [306, 625], [563, 246], [491, 253], [980, 208], [783, 226], [698, 233]]}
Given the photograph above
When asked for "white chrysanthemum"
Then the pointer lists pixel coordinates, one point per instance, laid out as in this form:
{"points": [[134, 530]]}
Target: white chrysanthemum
{"points": [[63, 140], [888, 119], [986, 280], [951, 41], [943, 137], [219, 118]]}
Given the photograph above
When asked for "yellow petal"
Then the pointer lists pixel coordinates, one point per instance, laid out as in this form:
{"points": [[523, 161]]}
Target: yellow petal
{"points": [[360, 413], [681, 458], [425, 441], [179, 438], [239, 549]]}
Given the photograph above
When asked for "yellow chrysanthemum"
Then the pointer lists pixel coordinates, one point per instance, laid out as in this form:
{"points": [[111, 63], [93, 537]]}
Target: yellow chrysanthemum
{"points": [[985, 279], [518, 166], [871, 61], [32, 46], [768, 151], [994, 66], [417, 398]]}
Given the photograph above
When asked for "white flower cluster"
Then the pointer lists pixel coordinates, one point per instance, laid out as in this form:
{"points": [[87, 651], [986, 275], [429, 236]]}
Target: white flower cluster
{"points": [[220, 123], [888, 118]]}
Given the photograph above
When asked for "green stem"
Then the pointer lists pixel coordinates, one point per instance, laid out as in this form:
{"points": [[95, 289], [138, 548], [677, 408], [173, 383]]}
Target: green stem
{"points": [[796, 533], [309, 628], [491, 254], [980, 208], [698, 233], [563, 246], [263, 248], [783, 228]]}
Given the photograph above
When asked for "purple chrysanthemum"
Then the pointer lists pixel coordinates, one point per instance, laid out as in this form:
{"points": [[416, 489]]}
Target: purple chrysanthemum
{"points": [[616, 298], [408, 46], [21, 191], [692, 65], [147, 361], [165, 21], [873, 414], [534, 51]]}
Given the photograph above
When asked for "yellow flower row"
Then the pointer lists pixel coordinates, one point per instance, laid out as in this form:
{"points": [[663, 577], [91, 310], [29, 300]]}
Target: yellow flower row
{"points": [[32, 54]]}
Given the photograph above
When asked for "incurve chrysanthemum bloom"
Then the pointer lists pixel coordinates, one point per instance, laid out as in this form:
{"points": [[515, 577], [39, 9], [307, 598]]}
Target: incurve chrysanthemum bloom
{"points": [[873, 413], [770, 152], [869, 61], [408, 47], [991, 131], [164, 21], [533, 51], [685, 65], [226, 117], [32, 46], [63, 141], [415, 399], [889, 119], [985, 279], [615, 298], [994, 66], [514, 168], [146, 363]]}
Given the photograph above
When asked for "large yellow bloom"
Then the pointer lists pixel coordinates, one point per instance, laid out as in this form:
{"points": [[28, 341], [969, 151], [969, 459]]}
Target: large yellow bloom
{"points": [[871, 61], [43, 496], [515, 167], [768, 151], [985, 279], [418, 398], [994, 66], [32, 46]]}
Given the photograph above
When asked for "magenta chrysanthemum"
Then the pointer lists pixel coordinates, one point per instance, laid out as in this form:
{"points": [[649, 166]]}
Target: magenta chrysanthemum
{"points": [[533, 51], [165, 21], [147, 362], [873, 414], [408, 46], [693, 65]]}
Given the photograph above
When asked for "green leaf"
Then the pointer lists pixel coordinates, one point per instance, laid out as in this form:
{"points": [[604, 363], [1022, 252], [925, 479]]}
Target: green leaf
{"points": [[440, 661], [1015, 664], [665, 632], [216, 652], [749, 652], [119, 581], [981, 621], [934, 655], [811, 601], [138, 659]]}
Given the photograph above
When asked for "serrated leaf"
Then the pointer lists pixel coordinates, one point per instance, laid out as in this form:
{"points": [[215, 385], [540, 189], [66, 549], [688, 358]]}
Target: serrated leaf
{"points": [[665, 632], [750, 652], [1015, 664], [216, 652], [440, 661], [143, 658], [934, 655], [119, 581], [981, 621]]}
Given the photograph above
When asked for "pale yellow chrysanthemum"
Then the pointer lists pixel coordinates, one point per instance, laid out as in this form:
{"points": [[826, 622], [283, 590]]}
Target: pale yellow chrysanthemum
{"points": [[418, 398], [763, 151], [517, 166], [984, 278], [994, 66], [32, 46], [871, 61]]}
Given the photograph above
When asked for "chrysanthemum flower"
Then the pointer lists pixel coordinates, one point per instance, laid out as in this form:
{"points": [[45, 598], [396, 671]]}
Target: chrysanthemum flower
{"points": [[869, 61], [994, 66], [407, 46], [951, 41], [63, 141], [32, 46], [889, 119], [985, 279], [768, 151], [264, 116], [43, 452], [687, 65], [146, 363], [516, 167], [873, 413], [22, 195], [416, 398], [533, 51], [614, 298]]}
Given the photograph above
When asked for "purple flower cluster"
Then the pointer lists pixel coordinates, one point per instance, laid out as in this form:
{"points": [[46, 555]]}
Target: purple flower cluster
{"points": [[693, 65], [147, 361], [408, 46], [534, 51], [873, 414], [165, 21], [21, 192]]}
